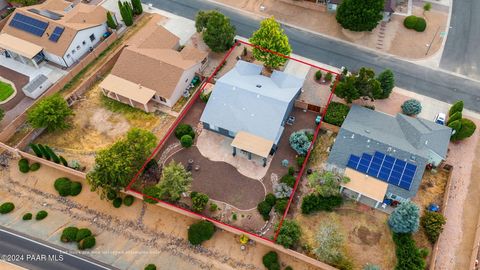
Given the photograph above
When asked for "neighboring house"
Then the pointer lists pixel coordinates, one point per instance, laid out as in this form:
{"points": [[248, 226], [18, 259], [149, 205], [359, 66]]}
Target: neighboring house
{"points": [[56, 30], [388, 8], [385, 156], [251, 108], [153, 68]]}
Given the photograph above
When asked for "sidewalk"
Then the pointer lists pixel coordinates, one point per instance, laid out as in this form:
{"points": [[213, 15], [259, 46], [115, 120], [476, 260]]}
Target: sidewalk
{"points": [[393, 39]]}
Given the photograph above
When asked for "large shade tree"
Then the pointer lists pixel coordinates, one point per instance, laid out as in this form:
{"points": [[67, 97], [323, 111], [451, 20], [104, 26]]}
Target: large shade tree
{"points": [[51, 113], [272, 37], [360, 15], [116, 165], [218, 32]]}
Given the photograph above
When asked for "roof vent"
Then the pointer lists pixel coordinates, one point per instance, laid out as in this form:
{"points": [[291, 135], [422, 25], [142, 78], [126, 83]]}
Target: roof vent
{"points": [[234, 88], [367, 131], [426, 142], [259, 86], [252, 115], [353, 136], [243, 108], [258, 96]]}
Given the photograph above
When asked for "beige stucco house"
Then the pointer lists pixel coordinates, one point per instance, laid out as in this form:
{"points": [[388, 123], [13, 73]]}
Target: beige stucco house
{"points": [[153, 68], [55, 30]]}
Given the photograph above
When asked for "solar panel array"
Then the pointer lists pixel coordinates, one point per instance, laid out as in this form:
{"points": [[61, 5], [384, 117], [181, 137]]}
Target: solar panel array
{"points": [[57, 33], [28, 24], [384, 167]]}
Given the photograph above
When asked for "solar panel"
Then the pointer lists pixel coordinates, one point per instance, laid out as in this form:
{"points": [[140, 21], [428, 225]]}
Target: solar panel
{"points": [[57, 33], [384, 167], [28, 24]]}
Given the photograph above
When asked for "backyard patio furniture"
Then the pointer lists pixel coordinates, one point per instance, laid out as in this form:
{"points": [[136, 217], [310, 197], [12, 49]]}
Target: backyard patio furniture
{"points": [[291, 120], [318, 119]]}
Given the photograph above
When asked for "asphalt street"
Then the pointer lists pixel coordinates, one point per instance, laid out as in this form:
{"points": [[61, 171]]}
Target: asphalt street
{"points": [[34, 254], [423, 80], [461, 53]]}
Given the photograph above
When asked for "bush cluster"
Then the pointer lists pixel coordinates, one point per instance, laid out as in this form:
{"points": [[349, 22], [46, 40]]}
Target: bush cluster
{"points": [[69, 234], [336, 113], [6, 208], [128, 200], [199, 201], [300, 160], [270, 261], [41, 215], [200, 232], [265, 206], [34, 167], [281, 205], [409, 256], [300, 142], [288, 179], [186, 141], [313, 203], [411, 107], [23, 165], [184, 129], [462, 127], [117, 202], [27, 216], [87, 242], [432, 223], [289, 233], [66, 187], [416, 23]]}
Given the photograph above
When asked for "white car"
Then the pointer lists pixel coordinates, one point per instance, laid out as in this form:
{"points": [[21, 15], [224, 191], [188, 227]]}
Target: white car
{"points": [[440, 118]]}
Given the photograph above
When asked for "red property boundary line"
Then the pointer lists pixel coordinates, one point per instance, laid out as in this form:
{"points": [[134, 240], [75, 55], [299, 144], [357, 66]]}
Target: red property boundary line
{"points": [[187, 108]]}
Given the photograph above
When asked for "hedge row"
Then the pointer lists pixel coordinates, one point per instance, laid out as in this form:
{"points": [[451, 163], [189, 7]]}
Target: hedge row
{"points": [[83, 237]]}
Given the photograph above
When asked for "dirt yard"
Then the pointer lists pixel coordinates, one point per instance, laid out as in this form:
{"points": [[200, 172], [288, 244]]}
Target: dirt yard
{"points": [[367, 236], [94, 127], [128, 237]]}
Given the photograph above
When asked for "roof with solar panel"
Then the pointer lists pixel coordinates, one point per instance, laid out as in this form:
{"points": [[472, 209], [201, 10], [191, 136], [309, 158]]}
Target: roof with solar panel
{"points": [[54, 23], [393, 149]]}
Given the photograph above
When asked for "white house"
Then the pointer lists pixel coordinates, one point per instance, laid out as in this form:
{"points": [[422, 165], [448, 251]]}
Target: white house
{"points": [[56, 30]]}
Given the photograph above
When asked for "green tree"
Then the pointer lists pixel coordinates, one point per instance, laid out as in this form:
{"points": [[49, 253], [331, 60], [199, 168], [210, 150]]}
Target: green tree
{"points": [[137, 7], [456, 107], [289, 233], [199, 201], [432, 223], [454, 117], [326, 184], [387, 82], [174, 181], [272, 37], [127, 12], [218, 32], [427, 7], [466, 129], [200, 232], [360, 15], [270, 261], [110, 21], [50, 113], [405, 218], [116, 165], [353, 87]]}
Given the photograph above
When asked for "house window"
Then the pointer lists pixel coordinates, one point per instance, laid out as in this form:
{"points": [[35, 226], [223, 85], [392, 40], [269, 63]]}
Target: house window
{"points": [[162, 99], [92, 37]]}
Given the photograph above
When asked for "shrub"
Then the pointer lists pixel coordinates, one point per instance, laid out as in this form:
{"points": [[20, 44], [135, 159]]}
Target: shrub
{"points": [[405, 218], [299, 142], [151, 191], [455, 126], [336, 113], [200, 232], [52, 154], [213, 207], [27, 216], [432, 223], [117, 202], [36, 150], [300, 160], [410, 21], [270, 199], [34, 167], [288, 179], [270, 261], [313, 203], [326, 183], [288, 268], [328, 76], [264, 209], [281, 205], [424, 252], [184, 129], [456, 107], [411, 107], [23, 165], [318, 75], [87, 242], [421, 24], [75, 188], [454, 117], [82, 234], [41, 215], [44, 151], [69, 234], [111, 195], [289, 233], [310, 136], [408, 255], [150, 267], [186, 141], [128, 201], [205, 97], [282, 190], [6, 208], [63, 186], [291, 170], [467, 128], [63, 161], [199, 201]]}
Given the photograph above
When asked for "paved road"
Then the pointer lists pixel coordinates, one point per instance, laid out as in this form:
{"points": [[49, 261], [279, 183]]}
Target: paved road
{"points": [[461, 52], [433, 83], [37, 255]]}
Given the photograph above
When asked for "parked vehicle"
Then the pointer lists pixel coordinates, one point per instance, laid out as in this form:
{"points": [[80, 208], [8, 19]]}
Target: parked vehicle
{"points": [[440, 118]]}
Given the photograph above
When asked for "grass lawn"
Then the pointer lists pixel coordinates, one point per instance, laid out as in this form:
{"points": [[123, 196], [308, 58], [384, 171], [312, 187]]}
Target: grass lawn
{"points": [[6, 90]]}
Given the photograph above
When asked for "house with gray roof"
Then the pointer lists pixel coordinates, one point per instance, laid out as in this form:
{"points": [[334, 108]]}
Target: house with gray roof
{"points": [[385, 156], [251, 108]]}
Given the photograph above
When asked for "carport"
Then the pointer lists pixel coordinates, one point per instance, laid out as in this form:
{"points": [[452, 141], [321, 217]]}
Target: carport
{"points": [[252, 144], [365, 185], [21, 50]]}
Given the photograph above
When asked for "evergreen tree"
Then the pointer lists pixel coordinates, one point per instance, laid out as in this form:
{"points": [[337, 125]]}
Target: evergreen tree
{"points": [[137, 7], [405, 218], [387, 82], [218, 33], [110, 21], [126, 12], [360, 15]]}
